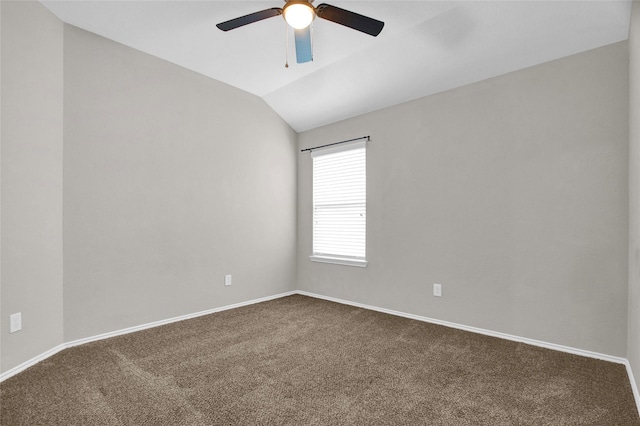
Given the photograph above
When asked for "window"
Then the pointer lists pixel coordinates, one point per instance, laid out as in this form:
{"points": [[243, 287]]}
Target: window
{"points": [[340, 204]]}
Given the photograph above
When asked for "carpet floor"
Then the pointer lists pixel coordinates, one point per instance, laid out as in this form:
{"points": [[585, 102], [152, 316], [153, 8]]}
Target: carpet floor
{"points": [[304, 361]]}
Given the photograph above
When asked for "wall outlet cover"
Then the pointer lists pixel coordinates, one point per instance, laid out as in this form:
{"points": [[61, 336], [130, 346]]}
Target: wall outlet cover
{"points": [[227, 280], [15, 322], [437, 290]]}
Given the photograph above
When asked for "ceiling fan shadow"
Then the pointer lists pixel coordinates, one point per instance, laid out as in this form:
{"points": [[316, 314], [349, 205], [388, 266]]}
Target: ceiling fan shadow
{"points": [[449, 29]]}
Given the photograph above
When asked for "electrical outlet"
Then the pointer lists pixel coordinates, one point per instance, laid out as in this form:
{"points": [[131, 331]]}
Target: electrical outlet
{"points": [[227, 280], [15, 322], [437, 290]]}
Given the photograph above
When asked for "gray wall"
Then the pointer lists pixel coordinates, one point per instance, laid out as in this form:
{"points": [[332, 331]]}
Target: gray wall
{"points": [[31, 176], [171, 181], [511, 192], [634, 193]]}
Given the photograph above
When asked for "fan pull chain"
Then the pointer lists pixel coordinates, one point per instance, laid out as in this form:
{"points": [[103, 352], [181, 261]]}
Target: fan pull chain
{"points": [[311, 40], [286, 52]]}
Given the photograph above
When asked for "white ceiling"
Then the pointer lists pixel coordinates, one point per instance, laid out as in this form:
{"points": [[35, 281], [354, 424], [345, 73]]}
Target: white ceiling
{"points": [[425, 47]]}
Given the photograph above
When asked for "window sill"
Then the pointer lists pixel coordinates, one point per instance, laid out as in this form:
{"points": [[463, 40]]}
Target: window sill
{"points": [[361, 263]]}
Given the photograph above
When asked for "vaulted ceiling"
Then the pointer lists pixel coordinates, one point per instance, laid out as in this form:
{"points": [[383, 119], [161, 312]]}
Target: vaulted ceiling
{"points": [[425, 47]]}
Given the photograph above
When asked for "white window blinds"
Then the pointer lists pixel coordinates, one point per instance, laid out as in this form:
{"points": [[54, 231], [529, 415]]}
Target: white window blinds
{"points": [[340, 203]]}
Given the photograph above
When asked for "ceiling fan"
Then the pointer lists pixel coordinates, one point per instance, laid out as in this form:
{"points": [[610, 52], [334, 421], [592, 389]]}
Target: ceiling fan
{"points": [[299, 14]]}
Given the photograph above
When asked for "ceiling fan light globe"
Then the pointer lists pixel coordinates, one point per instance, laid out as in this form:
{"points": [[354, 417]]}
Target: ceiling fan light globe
{"points": [[299, 15]]}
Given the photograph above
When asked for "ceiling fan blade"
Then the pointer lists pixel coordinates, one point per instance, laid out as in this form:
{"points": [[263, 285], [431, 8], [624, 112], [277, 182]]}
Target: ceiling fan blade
{"points": [[350, 19], [303, 45], [249, 19]]}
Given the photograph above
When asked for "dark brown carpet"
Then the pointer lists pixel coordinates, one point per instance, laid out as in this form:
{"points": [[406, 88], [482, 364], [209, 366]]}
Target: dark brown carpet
{"points": [[303, 361]]}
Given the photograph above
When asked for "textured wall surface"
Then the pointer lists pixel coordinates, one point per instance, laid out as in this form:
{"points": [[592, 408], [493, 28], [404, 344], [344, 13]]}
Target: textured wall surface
{"points": [[634, 192], [171, 181], [511, 193], [31, 168]]}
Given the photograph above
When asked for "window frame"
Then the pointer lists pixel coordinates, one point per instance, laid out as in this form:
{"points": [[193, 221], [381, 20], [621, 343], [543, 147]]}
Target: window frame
{"points": [[328, 257]]}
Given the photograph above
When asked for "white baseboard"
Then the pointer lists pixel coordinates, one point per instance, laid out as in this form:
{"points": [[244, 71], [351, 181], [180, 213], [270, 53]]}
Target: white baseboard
{"points": [[18, 368], [174, 319], [500, 335], [553, 346], [47, 354], [634, 385]]}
